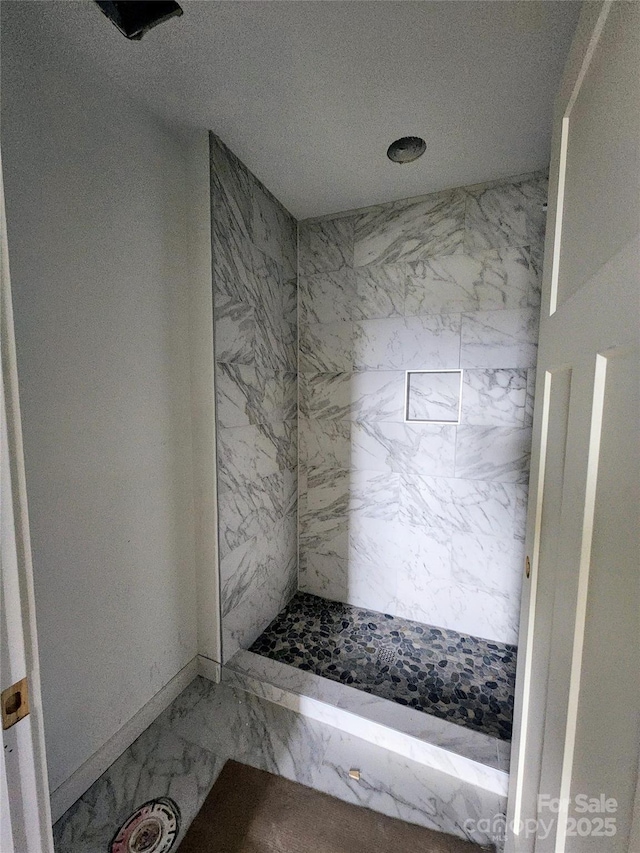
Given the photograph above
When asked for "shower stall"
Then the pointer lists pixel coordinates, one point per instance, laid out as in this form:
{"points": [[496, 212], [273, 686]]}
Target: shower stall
{"points": [[375, 373]]}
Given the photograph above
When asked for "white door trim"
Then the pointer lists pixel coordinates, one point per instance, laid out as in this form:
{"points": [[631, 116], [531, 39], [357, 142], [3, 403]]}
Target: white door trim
{"points": [[26, 813], [587, 315]]}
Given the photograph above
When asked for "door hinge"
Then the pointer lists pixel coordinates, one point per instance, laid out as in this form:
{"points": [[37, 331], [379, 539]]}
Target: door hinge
{"points": [[15, 703]]}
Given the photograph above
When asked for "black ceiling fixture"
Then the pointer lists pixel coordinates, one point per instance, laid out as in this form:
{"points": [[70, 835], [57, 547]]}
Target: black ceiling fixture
{"points": [[136, 17], [407, 149]]}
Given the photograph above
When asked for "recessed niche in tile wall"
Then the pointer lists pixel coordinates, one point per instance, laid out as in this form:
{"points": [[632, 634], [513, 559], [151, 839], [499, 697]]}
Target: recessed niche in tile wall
{"points": [[433, 396]]}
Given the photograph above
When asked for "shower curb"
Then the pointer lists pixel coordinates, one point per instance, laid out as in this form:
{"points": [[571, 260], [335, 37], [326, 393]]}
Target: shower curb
{"points": [[465, 754]]}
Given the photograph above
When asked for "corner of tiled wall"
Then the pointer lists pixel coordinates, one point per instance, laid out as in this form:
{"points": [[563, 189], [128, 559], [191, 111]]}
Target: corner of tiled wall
{"points": [[254, 250]]}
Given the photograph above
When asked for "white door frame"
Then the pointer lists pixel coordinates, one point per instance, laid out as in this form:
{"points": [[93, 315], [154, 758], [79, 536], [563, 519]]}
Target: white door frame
{"points": [[25, 813], [536, 620]]}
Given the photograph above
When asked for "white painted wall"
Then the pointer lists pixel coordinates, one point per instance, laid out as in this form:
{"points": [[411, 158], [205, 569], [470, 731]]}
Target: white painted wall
{"points": [[98, 198]]}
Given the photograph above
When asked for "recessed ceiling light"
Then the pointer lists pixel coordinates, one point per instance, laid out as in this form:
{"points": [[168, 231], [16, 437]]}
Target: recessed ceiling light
{"points": [[407, 149]]}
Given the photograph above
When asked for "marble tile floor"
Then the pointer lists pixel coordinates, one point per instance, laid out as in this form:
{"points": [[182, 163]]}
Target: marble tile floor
{"points": [[457, 677], [182, 753]]}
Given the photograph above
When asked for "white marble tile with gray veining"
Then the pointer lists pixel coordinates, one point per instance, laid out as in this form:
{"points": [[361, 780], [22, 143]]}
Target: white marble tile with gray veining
{"points": [[273, 229], [433, 396], [326, 297], [250, 511], [493, 615], [366, 395], [521, 507], [324, 574], [425, 556], [328, 495], [234, 261], [231, 189], [158, 764], [256, 566], [256, 580], [234, 724], [531, 394], [251, 453], [182, 754], [492, 563], [268, 285], [535, 192], [246, 453], [408, 790], [377, 395], [503, 214], [324, 445], [494, 397], [275, 344], [379, 291], [493, 453], [276, 681], [276, 327], [403, 448], [410, 230], [324, 533], [235, 332], [453, 505], [411, 343], [326, 704], [474, 281], [537, 259], [325, 396], [241, 203], [499, 339], [373, 550], [373, 495], [325, 245], [326, 347], [247, 395]]}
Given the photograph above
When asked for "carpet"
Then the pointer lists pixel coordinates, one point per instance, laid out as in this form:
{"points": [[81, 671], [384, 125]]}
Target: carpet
{"points": [[251, 811]]}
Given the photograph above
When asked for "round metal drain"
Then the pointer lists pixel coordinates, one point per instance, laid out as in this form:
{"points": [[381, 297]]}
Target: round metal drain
{"points": [[153, 828]]}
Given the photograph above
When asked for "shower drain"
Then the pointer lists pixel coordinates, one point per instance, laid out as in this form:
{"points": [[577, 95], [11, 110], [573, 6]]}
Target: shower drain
{"points": [[386, 655], [153, 828]]}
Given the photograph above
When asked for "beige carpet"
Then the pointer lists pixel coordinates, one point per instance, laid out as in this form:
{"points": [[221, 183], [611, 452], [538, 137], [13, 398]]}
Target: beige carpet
{"points": [[250, 811]]}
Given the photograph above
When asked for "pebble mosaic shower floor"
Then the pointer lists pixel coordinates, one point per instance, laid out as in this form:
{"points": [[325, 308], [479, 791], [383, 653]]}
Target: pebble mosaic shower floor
{"points": [[464, 679]]}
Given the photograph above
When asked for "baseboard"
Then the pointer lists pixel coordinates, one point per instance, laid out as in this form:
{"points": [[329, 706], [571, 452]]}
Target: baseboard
{"points": [[209, 669], [75, 786]]}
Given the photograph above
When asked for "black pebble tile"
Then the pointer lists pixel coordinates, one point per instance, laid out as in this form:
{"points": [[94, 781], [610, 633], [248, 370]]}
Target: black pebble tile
{"points": [[464, 679]]}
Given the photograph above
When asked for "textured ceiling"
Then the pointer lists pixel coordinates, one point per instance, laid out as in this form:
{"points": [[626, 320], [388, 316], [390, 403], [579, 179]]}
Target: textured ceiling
{"points": [[310, 94]]}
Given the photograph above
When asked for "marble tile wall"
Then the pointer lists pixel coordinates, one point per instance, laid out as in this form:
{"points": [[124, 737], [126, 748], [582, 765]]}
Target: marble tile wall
{"points": [[424, 521], [254, 246], [182, 753]]}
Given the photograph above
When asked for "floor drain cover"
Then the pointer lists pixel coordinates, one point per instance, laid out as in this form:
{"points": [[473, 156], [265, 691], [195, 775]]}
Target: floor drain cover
{"points": [[153, 828], [386, 655]]}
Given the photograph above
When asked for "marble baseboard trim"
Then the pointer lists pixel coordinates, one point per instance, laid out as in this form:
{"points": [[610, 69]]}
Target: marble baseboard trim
{"points": [[66, 794], [429, 741], [209, 669]]}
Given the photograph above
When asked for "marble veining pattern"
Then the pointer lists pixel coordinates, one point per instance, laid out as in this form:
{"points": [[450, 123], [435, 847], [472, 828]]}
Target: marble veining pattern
{"points": [[182, 753], [410, 230], [255, 300], [446, 281], [453, 676], [394, 726]]}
